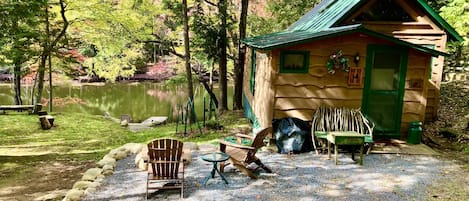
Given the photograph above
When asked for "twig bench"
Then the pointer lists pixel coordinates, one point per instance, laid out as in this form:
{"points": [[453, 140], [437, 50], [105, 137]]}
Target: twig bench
{"points": [[331, 119], [19, 108]]}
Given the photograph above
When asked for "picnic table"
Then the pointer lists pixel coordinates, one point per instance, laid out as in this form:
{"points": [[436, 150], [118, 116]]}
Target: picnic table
{"points": [[348, 138], [4, 108]]}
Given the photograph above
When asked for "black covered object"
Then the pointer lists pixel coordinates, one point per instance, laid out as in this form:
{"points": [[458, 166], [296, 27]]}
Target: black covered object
{"points": [[292, 135]]}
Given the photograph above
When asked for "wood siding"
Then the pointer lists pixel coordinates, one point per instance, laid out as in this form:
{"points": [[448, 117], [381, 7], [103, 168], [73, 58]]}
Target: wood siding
{"points": [[423, 32], [298, 95], [261, 101]]}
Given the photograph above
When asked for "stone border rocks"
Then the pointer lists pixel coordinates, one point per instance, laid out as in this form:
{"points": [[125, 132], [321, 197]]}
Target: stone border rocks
{"points": [[93, 177]]}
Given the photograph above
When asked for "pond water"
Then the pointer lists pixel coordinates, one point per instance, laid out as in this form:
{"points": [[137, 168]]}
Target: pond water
{"points": [[139, 100]]}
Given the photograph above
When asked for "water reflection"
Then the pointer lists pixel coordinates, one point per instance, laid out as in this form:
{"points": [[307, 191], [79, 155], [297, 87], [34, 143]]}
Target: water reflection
{"points": [[139, 100]]}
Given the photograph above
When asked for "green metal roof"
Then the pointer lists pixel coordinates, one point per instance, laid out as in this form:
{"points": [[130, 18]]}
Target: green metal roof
{"points": [[321, 20], [324, 15], [289, 38]]}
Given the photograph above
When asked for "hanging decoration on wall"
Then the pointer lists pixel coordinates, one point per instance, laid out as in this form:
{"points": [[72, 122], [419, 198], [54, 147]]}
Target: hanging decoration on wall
{"points": [[337, 61]]}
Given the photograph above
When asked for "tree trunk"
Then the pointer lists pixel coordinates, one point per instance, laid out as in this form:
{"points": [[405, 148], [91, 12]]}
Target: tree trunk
{"points": [[17, 83], [222, 56], [17, 72], [48, 46], [239, 66], [187, 56], [40, 80]]}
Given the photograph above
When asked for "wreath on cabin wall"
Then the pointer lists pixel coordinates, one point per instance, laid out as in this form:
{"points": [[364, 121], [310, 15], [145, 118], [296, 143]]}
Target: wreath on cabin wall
{"points": [[337, 61]]}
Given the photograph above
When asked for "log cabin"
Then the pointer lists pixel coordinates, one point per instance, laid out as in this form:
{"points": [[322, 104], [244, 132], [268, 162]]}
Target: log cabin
{"points": [[383, 56]]}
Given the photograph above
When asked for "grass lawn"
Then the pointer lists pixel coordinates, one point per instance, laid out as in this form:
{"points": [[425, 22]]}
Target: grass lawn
{"points": [[34, 160]]}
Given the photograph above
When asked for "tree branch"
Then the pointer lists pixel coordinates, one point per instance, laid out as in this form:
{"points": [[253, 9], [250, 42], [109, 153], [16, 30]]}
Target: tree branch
{"points": [[210, 3], [65, 26]]}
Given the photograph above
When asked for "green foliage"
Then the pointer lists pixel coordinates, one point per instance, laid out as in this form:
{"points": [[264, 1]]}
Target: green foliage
{"points": [[206, 30], [115, 30], [284, 13], [456, 13], [20, 30], [179, 79]]}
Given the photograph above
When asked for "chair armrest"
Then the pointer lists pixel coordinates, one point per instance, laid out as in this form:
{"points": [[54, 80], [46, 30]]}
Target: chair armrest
{"points": [[235, 145], [245, 136]]}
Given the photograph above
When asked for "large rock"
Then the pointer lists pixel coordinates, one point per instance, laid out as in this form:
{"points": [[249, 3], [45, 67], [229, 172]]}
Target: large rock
{"points": [[52, 195], [140, 159], [119, 153], [82, 185], [91, 174], [133, 148], [108, 167], [153, 121], [74, 195], [107, 160], [108, 172], [186, 155]]}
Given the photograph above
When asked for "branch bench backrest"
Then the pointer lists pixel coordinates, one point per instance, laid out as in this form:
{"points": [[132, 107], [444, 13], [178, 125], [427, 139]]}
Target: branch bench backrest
{"points": [[340, 119]]}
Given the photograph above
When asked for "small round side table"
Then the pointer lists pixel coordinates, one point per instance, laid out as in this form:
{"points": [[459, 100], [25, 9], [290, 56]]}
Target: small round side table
{"points": [[215, 158]]}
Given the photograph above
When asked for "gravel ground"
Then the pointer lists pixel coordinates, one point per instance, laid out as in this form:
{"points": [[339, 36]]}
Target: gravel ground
{"points": [[296, 177]]}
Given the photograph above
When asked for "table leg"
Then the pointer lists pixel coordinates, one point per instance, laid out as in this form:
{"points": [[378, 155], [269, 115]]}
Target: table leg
{"points": [[336, 152], [213, 169], [328, 149], [361, 155], [212, 174], [222, 177]]}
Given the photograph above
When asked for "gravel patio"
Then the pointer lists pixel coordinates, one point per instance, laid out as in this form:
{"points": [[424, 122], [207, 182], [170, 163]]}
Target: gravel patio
{"points": [[304, 176]]}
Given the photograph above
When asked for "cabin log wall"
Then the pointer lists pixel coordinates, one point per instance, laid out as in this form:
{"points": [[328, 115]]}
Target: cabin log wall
{"points": [[261, 101], [298, 95]]}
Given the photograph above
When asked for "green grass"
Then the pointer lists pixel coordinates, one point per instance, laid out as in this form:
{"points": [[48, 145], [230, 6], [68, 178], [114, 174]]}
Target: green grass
{"points": [[78, 137]]}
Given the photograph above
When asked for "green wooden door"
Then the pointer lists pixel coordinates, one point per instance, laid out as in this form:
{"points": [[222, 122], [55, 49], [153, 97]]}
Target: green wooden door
{"points": [[384, 88]]}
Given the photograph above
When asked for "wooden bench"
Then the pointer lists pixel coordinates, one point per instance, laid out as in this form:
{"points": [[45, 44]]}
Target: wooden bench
{"points": [[347, 138], [19, 108], [332, 119]]}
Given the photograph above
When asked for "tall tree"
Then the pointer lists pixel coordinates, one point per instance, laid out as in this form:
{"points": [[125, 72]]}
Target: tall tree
{"points": [[19, 22], [222, 43], [49, 43], [187, 56], [239, 65]]}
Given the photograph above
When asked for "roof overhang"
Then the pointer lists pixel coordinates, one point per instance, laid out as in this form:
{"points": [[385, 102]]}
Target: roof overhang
{"points": [[290, 38]]}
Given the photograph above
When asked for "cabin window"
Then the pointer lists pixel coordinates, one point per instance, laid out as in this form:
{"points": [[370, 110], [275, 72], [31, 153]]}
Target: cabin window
{"points": [[432, 62], [252, 79], [294, 62]]}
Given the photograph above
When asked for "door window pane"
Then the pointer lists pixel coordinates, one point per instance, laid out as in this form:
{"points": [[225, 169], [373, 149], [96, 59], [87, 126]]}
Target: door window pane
{"points": [[385, 72]]}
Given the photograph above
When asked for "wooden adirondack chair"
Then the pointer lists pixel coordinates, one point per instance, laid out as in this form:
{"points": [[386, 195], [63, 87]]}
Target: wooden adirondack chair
{"points": [[165, 165], [241, 155]]}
